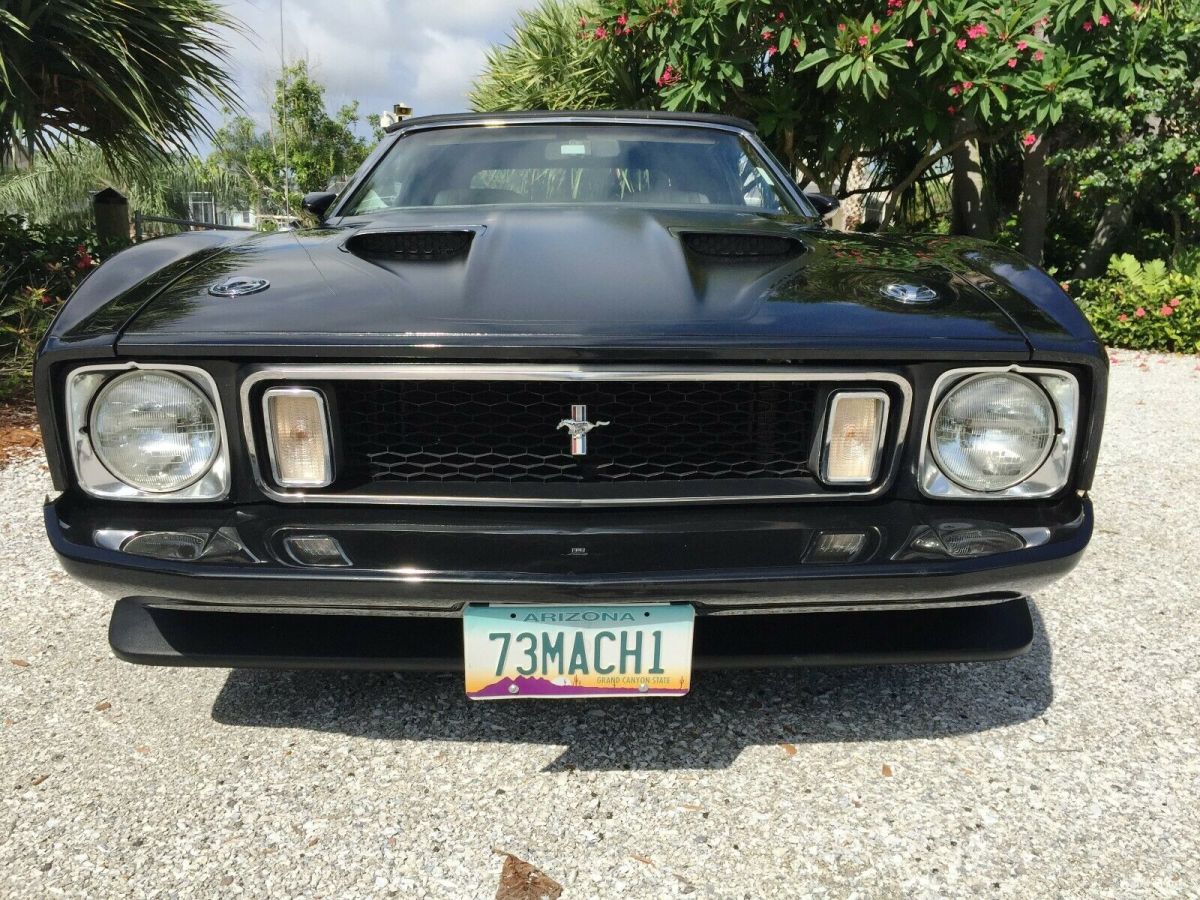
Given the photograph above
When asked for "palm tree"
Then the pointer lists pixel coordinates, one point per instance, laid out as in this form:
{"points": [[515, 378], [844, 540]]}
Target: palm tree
{"points": [[545, 65], [128, 76], [58, 194]]}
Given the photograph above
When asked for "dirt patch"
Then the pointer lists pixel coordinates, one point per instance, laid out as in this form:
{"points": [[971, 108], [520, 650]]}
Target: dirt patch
{"points": [[20, 436]]}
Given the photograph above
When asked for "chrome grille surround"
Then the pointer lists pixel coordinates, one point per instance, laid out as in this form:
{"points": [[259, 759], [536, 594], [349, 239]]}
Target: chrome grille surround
{"points": [[301, 374]]}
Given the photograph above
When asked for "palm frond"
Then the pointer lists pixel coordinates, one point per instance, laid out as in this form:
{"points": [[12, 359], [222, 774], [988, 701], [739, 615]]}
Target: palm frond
{"points": [[545, 64], [57, 191], [130, 77]]}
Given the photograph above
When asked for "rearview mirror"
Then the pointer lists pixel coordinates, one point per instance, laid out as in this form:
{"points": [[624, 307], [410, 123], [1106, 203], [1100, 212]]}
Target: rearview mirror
{"points": [[825, 204], [316, 202]]}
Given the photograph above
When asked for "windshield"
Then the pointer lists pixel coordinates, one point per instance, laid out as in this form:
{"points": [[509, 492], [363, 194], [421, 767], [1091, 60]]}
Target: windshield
{"points": [[651, 165]]}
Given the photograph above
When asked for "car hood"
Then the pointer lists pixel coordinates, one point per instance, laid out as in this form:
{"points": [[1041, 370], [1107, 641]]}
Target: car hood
{"points": [[579, 277]]}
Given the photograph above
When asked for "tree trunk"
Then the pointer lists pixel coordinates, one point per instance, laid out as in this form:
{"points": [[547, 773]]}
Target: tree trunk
{"points": [[852, 213], [1113, 221], [1034, 194], [968, 213]]}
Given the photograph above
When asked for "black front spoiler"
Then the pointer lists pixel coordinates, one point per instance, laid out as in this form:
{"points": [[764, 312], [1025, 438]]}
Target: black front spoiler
{"points": [[157, 632]]}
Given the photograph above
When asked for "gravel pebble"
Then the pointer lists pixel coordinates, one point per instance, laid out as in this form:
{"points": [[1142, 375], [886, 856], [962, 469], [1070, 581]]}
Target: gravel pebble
{"points": [[1071, 771]]}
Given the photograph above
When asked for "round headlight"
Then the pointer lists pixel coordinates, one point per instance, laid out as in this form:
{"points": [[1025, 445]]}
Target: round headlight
{"points": [[993, 431], [155, 431]]}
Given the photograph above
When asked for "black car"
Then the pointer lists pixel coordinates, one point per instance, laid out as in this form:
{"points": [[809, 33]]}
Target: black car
{"points": [[576, 401]]}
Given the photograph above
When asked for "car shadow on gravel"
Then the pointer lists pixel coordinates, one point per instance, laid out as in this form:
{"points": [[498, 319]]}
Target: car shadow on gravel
{"points": [[725, 712]]}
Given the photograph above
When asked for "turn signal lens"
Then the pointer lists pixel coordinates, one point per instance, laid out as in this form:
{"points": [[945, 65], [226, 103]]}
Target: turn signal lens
{"points": [[298, 434], [854, 437]]}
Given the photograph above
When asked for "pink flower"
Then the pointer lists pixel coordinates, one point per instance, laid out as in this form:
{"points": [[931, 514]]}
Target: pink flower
{"points": [[1196, 170], [1021, 45], [621, 19], [766, 34], [771, 51], [1029, 140], [1122, 318], [1087, 26], [961, 44], [795, 43], [1012, 63], [600, 33], [1039, 56], [841, 26], [863, 40], [779, 16], [1166, 310], [875, 29], [977, 31], [1104, 20], [1139, 313], [908, 43], [967, 85], [1174, 301], [955, 90]]}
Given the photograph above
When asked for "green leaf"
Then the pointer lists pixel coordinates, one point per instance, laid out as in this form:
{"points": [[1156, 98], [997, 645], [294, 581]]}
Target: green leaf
{"points": [[817, 56]]}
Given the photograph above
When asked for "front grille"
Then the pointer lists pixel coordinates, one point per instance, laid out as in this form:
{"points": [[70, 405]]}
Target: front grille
{"points": [[469, 431]]}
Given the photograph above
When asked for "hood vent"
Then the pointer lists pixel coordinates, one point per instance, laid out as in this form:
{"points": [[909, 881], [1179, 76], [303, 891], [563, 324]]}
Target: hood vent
{"points": [[732, 245], [411, 245]]}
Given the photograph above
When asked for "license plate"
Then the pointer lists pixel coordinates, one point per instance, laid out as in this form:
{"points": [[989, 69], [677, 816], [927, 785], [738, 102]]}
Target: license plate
{"points": [[578, 651]]}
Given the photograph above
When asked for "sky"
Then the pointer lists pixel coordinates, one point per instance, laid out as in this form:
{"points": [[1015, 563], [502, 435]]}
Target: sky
{"points": [[424, 53]]}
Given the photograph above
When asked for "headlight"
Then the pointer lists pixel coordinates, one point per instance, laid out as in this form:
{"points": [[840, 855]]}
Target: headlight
{"points": [[1000, 434], [147, 432], [155, 431], [992, 431]]}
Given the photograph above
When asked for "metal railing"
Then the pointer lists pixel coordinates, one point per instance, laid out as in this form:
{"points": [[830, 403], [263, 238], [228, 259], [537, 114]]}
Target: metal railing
{"points": [[140, 219]]}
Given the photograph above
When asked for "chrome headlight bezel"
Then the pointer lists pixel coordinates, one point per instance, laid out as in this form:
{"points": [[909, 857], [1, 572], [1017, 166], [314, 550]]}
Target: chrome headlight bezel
{"points": [[83, 386], [1053, 473]]}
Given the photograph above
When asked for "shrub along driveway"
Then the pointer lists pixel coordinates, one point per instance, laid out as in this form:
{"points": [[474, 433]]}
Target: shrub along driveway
{"points": [[1074, 770]]}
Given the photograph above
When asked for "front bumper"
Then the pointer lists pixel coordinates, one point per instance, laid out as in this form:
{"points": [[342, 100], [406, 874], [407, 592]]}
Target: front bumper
{"points": [[426, 564]]}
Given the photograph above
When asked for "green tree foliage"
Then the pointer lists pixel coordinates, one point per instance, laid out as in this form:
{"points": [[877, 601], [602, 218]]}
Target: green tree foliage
{"points": [[895, 84], [129, 77], [546, 66], [58, 194], [311, 144]]}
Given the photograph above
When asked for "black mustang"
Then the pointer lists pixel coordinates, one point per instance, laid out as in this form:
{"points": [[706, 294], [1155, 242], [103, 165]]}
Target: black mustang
{"points": [[577, 402]]}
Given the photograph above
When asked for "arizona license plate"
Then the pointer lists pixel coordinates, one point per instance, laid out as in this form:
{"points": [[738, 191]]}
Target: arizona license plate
{"points": [[578, 651]]}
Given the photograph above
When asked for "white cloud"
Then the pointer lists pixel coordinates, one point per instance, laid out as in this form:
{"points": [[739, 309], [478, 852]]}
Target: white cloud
{"points": [[378, 52]]}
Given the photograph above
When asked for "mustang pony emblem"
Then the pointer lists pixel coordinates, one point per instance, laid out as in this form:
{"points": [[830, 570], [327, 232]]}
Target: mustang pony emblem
{"points": [[578, 427]]}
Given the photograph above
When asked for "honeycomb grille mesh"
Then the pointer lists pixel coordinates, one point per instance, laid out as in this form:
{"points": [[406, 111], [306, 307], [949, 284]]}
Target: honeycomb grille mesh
{"points": [[506, 431]]}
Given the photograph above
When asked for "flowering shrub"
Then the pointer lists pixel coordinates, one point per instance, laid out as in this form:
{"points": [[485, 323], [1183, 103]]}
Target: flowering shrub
{"points": [[1143, 306], [39, 267]]}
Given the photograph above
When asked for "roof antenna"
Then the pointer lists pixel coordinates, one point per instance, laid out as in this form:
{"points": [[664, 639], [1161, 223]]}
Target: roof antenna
{"points": [[287, 203]]}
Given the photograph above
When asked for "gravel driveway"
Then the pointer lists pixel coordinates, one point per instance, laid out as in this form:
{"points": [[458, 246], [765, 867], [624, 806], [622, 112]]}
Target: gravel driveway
{"points": [[1072, 771]]}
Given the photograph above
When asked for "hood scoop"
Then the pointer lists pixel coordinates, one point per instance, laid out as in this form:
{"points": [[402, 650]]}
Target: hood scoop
{"points": [[730, 245], [409, 245]]}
